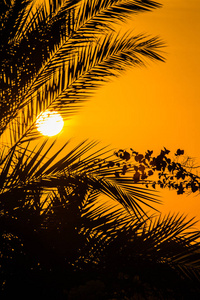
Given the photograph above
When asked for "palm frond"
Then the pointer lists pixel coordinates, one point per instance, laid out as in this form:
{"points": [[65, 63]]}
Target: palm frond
{"points": [[167, 241], [176, 243], [133, 201], [54, 57], [25, 170], [111, 52], [96, 16], [19, 66], [74, 82], [81, 31]]}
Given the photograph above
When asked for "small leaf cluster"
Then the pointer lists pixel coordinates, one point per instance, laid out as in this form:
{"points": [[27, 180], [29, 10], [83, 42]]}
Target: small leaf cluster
{"points": [[171, 173]]}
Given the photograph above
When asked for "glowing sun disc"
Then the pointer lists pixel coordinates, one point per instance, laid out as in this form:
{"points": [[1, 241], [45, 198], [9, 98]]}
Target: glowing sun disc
{"points": [[49, 123]]}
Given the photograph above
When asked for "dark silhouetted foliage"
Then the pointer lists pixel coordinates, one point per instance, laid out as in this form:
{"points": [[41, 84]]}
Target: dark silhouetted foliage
{"points": [[73, 221]]}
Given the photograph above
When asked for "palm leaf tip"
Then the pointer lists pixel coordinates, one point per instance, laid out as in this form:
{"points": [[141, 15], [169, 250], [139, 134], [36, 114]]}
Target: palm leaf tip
{"points": [[99, 14]]}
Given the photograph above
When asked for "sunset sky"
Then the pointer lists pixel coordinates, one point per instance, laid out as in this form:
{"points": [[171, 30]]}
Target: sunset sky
{"points": [[157, 106]]}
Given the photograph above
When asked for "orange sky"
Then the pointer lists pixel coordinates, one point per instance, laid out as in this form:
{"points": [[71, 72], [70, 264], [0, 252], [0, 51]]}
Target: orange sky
{"points": [[148, 108], [156, 106]]}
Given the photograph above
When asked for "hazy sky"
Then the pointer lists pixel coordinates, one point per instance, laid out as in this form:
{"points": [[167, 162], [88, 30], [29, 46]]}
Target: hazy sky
{"points": [[156, 106]]}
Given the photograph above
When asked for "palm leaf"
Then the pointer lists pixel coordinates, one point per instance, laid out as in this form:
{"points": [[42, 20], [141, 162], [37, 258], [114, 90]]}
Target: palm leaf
{"points": [[74, 83], [58, 60], [25, 170], [95, 16], [165, 241], [19, 67]]}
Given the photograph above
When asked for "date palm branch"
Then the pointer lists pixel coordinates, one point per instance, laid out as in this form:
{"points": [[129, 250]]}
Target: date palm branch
{"points": [[31, 172], [69, 66], [167, 242]]}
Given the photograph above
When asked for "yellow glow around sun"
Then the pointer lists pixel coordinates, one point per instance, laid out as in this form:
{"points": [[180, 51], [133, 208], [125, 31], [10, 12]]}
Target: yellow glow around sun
{"points": [[49, 123]]}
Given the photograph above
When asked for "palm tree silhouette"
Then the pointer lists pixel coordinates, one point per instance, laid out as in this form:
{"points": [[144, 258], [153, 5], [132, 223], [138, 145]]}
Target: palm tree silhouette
{"points": [[57, 236]]}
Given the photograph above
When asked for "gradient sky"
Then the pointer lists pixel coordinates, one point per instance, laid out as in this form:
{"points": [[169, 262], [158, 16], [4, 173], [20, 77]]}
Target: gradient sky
{"points": [[156, 106]]}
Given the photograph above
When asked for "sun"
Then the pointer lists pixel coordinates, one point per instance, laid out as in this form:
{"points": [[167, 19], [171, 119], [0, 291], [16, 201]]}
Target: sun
{"points": [[49, 123]]}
